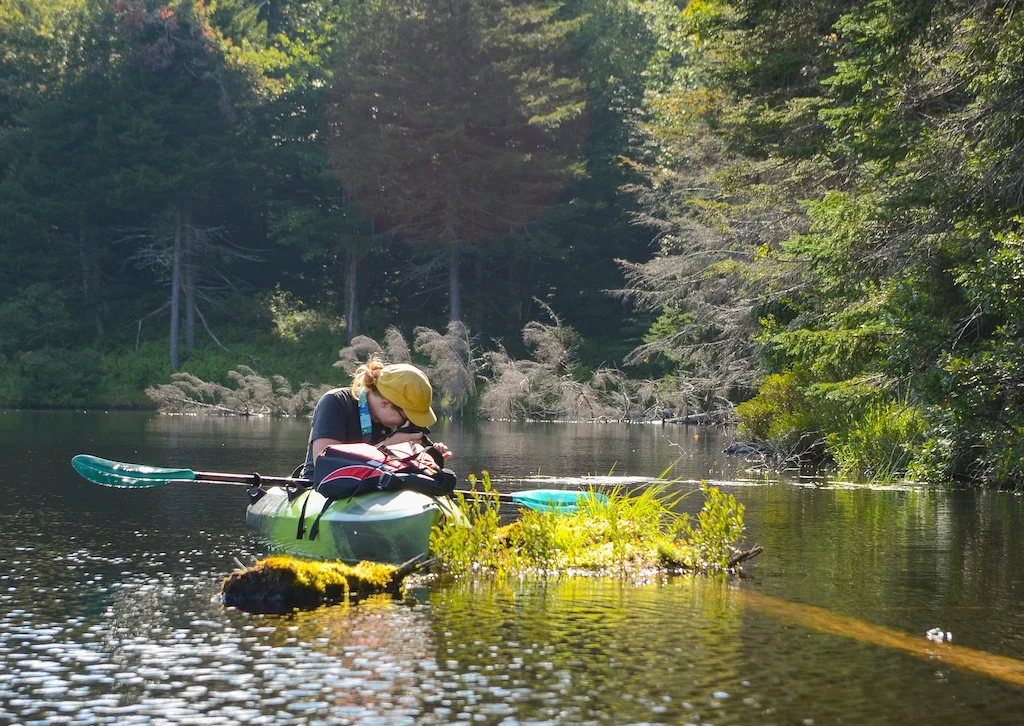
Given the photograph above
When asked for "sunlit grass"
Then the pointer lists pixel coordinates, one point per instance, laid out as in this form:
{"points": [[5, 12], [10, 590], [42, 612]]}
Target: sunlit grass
{"points": [[622, 533]]}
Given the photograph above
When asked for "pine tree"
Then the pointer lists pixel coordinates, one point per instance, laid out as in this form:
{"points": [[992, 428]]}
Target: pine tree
{"points": [[179, 116], [454, 123]]}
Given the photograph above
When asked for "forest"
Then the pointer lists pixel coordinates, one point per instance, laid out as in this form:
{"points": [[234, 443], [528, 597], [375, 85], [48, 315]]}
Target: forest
{"points": [[804, 217]]}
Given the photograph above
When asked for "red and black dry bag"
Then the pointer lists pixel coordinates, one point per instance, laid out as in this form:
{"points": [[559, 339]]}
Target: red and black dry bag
{"points": [[345, 470]]}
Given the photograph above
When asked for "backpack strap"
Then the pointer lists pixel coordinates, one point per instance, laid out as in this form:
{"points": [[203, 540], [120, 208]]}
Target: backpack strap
{"points": [[403, 460], [366, 485], [435, 455], [302, 518], [315, 529]]}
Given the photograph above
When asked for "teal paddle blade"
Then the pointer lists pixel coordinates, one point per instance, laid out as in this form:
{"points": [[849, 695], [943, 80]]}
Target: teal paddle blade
{"points": [[120, 474], [554, 500]]}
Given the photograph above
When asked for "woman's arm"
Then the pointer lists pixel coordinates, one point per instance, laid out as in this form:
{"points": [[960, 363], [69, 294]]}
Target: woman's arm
{"points": [[319, 445]]}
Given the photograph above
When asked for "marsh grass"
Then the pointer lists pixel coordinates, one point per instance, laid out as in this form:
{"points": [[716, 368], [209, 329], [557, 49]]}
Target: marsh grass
{"points": [[628, 532], [879, 445]]}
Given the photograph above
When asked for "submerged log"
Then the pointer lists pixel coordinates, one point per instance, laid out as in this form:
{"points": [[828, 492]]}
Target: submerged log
{"points": [[281, 583], [739, 556], [750, 449]]}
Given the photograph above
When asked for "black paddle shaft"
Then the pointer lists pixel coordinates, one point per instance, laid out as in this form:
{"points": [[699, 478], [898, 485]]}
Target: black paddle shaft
{"points": [[249, 479], [216, 477]]}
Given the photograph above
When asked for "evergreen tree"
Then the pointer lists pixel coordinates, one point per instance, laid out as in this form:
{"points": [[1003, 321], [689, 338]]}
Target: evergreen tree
{"points": [[457, 122], [309, 211], [179, 113]]}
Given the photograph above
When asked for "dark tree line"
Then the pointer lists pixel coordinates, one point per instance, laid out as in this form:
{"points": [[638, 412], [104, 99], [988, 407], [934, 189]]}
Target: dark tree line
{"points": [[838, 192], [833, 192], [187, 170]]}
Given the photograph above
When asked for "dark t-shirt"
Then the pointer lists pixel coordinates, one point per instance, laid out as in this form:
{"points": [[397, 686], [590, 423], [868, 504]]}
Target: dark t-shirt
{"points": [[336, 416]]}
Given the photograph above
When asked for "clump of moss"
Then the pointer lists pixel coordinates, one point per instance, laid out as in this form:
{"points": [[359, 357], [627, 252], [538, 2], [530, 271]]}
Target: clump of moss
{"points": [[622, 533], [284, 583]]}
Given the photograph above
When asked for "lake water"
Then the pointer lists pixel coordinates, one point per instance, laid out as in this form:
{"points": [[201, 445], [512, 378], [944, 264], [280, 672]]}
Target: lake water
{"points": [[108, 610]]}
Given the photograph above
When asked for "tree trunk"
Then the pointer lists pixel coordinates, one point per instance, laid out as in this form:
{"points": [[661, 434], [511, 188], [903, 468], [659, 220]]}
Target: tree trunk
{"points": [[515, 308], [188, 270], [454, 285], [352, 294], [90, 272], [526, 291], [176, 288], [479, 284], [273, 15]]}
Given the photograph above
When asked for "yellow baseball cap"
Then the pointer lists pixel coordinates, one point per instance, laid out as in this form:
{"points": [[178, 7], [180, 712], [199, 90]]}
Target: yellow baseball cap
{"points": [[407, 387]]}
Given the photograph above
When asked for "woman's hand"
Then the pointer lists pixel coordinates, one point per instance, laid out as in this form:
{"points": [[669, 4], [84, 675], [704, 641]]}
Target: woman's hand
{"points": [[416, 438], [402, 438]]}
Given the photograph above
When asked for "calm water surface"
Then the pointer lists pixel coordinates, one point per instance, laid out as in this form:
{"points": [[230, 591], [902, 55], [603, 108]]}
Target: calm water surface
{"points": [[108, 611]]}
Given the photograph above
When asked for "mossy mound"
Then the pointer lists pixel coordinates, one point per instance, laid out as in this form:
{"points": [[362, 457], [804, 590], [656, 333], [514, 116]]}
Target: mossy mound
{"points": [[281, 583]]}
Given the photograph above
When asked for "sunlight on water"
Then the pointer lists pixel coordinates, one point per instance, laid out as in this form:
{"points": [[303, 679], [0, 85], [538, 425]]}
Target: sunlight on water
{"points": [[108, 611], [1010, 670]]}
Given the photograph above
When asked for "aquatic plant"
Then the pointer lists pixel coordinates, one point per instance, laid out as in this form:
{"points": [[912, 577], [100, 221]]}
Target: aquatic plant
{"points": [[880, 444], [710, 546], [624, 532], [482, 546]]}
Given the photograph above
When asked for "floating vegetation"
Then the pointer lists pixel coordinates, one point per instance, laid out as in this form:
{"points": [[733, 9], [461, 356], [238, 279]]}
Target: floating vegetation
{"points": [[281, 583], [624, 533]]}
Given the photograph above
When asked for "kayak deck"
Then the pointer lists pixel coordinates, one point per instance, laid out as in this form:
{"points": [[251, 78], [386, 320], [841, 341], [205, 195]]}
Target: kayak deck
{"points": [[387, 526]]}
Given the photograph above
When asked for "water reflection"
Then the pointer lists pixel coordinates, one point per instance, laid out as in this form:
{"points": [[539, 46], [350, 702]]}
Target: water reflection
{"points": [[1010, 670], [590, 650], [107, 610]]}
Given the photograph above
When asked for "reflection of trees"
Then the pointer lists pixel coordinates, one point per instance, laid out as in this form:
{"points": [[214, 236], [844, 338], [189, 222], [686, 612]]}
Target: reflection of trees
{"points": [[587, 649], [841, 543], [894, 557]]}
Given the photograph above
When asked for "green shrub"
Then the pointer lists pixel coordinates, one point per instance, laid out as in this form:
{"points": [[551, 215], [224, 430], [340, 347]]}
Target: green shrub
{"points": [[294, 320], [627, 532], [37, 317], [967, 448], [51, 377], [482, 546], [880, 444], [856, 422], [134, 371], [710, 546], [786, 416]]}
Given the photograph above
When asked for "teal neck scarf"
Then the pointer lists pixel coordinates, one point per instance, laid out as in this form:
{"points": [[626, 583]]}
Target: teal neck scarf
{"points": [[365, 424]]}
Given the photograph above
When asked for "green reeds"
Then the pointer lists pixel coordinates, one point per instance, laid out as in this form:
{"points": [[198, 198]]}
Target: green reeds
{"points": [[880, 444], [628, 532]]}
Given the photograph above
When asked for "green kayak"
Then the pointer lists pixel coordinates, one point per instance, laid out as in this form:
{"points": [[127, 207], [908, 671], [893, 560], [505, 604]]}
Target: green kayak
{"points": [[386, 526]]}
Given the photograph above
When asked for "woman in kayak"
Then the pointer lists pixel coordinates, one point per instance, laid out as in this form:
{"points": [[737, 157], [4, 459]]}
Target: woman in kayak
{"points": [[376, 409]]}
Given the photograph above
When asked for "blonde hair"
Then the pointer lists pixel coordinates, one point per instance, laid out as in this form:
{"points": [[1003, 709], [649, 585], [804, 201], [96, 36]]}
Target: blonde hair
{"points": [[366, 375]]}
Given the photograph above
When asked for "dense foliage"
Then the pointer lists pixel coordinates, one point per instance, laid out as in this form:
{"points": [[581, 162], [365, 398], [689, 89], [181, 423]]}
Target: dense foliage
{"points": [[187, 184], [624, 533], [838, 189], [833, 189]]}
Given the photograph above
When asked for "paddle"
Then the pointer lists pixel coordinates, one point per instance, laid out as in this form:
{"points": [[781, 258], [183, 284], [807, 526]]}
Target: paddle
{"points": [[138, 476]]}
